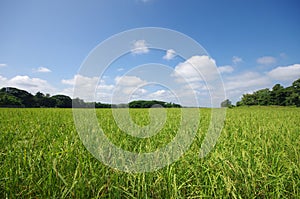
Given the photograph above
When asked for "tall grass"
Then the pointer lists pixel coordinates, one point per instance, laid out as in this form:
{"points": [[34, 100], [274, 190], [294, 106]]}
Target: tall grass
{"points": [[257, 156]]}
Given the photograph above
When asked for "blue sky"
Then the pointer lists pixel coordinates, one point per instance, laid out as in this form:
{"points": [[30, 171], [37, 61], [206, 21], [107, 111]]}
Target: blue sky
{"points": [[43, 43]]}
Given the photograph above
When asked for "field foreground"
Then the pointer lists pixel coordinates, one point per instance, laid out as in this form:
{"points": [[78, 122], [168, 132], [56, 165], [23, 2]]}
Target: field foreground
{"points": [[257, 155]]}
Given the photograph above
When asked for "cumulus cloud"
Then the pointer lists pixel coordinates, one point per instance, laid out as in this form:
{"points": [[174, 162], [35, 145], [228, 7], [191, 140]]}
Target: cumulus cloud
{"points": [[285, 73], [81, 80], [170, 54], [162, 95], [140, 47], [200, 74], [42, 70], [68, 81], [128, 88], [32, 85], [246, 81], [2, 81], [266, 60], [129, 81], [236, 59], [159, 94], [197, 68], [225, 69], [3, 65], [87, 88]]}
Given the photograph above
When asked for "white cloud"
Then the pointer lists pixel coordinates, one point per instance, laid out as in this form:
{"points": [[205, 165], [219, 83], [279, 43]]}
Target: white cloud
{"points": [[140, 47], [197, 68], [124, 90], [68, 81], [81, 80], [159, 94], [128, 88], [129, 81], [162, 95], [120, 69], [246, 81], [196, 86], [225, 69], [266, 60], [3, 80], [87, 88], [236, 59], [285, 73], [105, 87], [201, 75], [170, 54], [3, 65], [42, 70], [249, 82], [29, 84]]}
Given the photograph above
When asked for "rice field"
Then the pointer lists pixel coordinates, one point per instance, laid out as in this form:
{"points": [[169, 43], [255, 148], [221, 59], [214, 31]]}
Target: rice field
{"points": [[257, 156]]}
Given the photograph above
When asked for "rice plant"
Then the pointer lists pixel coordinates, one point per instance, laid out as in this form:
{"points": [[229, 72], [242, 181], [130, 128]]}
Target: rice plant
{"points": [[256, 156]]}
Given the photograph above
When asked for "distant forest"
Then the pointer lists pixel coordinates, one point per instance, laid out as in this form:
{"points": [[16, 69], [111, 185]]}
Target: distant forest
{"points": [[14, 97], [278, 96]]}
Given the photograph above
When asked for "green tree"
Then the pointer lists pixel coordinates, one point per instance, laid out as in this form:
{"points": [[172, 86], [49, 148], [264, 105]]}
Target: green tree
{"points": [[26, 98], [47, 102], [149, 104], [78, 103], [262, 97], [226, 103], [62, 101], [289, 96], [38, 99], [278, 95], [293, 94], [100, 105], [8, 100], [296, 85], [248, 100]]}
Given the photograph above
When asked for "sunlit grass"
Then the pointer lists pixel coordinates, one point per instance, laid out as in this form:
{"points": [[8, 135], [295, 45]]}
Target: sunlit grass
{"points": [[257, 155]]}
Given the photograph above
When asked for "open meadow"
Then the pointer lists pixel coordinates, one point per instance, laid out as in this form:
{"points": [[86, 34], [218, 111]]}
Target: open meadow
{"points": [[256, 156]]}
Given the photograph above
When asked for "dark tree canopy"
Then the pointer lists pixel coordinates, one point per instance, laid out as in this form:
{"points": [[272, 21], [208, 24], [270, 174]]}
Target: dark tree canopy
{"points": [[62, 101], [279, 96], [226, 103], [13, 97], [8, 100], [152, 104], [24, 97]]}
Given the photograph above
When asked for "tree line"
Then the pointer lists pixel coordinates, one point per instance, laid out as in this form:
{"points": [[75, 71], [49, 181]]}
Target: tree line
{"points": [[152, 104], [14, 97], [278, 96]]}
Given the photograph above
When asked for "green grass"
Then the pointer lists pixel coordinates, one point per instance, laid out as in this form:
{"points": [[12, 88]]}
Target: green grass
{"points": [[257, 156]]}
